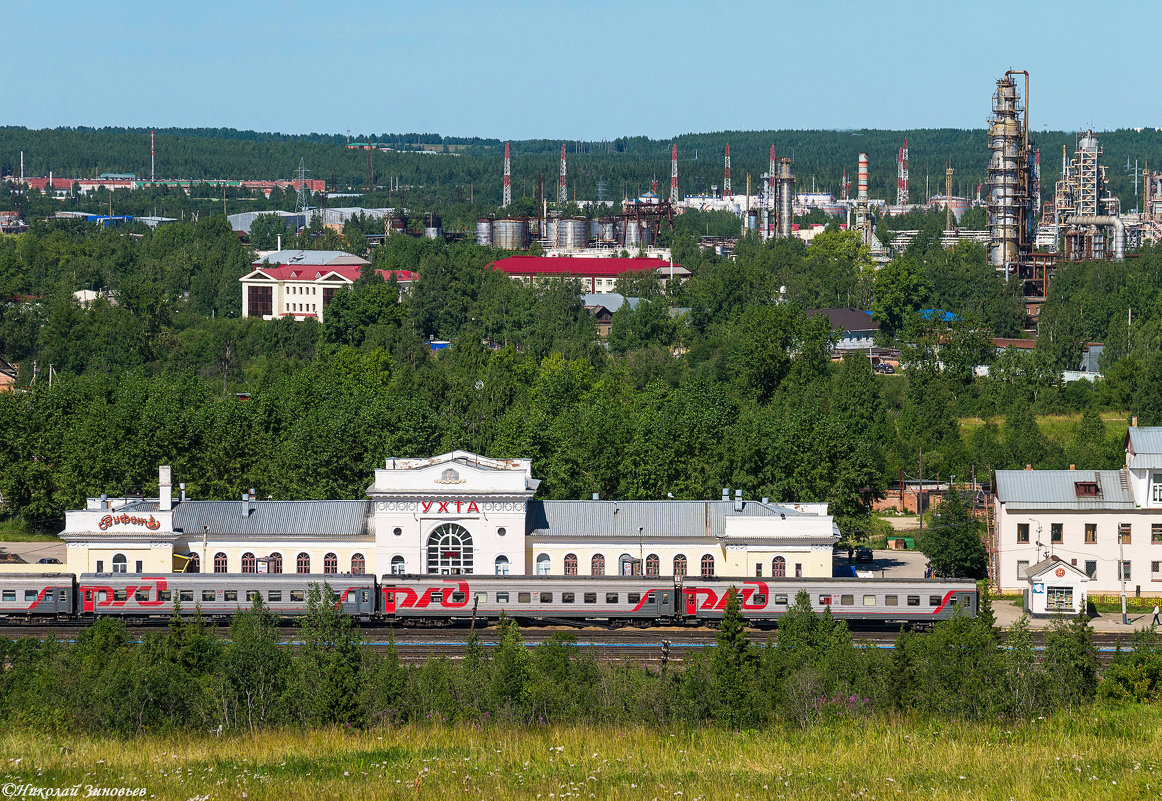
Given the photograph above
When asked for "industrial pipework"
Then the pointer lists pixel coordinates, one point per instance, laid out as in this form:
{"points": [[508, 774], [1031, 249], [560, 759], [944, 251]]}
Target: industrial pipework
{"points": [[1010, 177], [861, 201], [786, 197]]}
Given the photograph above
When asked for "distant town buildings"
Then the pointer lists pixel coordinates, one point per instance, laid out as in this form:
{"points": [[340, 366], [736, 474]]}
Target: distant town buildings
{"points": [[597, 275]]}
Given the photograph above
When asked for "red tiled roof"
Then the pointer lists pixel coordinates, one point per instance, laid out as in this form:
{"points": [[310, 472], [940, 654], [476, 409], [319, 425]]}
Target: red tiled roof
{"points": [[315, 272], [1022, 344], [573, 265]]}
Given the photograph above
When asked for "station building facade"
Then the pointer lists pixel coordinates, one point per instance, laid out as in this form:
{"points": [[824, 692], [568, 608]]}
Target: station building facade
{"points": [[454, 513]]}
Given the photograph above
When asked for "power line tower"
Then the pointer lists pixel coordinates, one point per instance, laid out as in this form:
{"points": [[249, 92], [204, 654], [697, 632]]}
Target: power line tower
{"points": [[726, 179], [902, 175], [562, 183], [507, 178], [674, 174], [302, 206]]}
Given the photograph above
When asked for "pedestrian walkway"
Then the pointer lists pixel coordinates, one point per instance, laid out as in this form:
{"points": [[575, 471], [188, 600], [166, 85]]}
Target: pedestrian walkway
{"points": [[1007, 613]]}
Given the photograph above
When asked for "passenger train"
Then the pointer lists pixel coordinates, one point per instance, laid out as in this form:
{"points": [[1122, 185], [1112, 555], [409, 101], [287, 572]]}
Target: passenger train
{"points": [[448, 600]]}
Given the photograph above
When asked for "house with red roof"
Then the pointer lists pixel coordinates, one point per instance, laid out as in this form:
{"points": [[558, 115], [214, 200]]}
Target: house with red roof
{"points": [[597, 274], [300, 283]]}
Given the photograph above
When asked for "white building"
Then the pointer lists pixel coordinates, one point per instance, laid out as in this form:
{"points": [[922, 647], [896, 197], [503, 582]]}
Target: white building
{"points": [[1106, 523], [1055, 587], [454, 513]]}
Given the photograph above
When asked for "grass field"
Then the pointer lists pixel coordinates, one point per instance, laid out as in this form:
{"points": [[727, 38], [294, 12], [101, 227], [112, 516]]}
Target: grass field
{"points": [[1057, 427], [1099, 754]]}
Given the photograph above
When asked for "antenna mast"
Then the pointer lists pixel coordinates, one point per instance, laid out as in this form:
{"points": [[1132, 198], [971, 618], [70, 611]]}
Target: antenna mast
{"points": [[507, 178], [151, 162], [301, 204], [902, 176], [674, 174], [726, 179], [562, 184]]}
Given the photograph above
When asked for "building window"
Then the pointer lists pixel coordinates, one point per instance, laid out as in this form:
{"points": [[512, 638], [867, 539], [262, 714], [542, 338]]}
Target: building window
{"points": [[1157, 487], [248, 562], [120, 563], [543, 565], [397, 531], [707, 566], [330, 563], [679, 565], [1091, 568], [758, 569], [1091, 533], [328, 294], [570, 564], [195, 564], [1124, 571], [449, 550], [1155, 573], [303, 563], [779, 567], [798, 570], [653, 565], [502, 565], [1022, 532], [358, 564], [1059, 598], [1156, 533], [1123, 533], [628, 566], [597, 565], [259, 301], [220, 562], [276, 563], [1055, 532], [1022, 566], [398, 566]]}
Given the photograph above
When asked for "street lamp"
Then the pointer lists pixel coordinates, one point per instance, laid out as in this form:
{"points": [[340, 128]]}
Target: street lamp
{"points": [[1122, 575]]}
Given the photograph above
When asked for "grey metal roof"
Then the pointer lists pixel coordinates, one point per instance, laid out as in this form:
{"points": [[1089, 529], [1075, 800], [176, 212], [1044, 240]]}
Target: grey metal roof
{"points": [[313, 258], [323, 519], [610, 300], [1145, 440], [1054, 489], [606, 519], [1045, 564]]}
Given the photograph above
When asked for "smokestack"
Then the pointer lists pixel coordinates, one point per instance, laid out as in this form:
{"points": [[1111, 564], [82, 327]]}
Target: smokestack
{"points": [[863, 177], [182, 492], [738, 500], [786, 197], [165, 488]]}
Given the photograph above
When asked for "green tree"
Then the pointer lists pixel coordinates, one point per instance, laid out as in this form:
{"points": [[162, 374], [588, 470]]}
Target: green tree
{"points": [[953, 543]]}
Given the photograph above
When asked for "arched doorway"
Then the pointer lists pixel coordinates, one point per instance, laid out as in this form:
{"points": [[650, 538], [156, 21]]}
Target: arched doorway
{"points": [[779, 567], [449, 550]]}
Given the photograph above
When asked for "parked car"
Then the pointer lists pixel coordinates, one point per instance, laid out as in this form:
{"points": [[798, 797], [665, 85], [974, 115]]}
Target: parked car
{"points": [[863, 555], [48, 560]]}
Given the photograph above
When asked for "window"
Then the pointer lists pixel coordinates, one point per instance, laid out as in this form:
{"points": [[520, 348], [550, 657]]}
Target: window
{"points": [[120, 595], [1055, 532], [165, 595], [120, 563], [186, 596], [303, 563], [590, 598], [1090, 533], [1156, 533], [1124, 571], [597, 565], [935, 600], [358, 564], [628, 566], [501, 565], [500, 532], [259, 301], [570, 564], [1060, 598], [1091, 568], [248, 562], [825, 600], [397, 531], [1022, 566], [913, 600], [195, 564], [611, 597], [1123, 533], [100, 566], [778, 567], [780, 600], [679, 565], [30, 595], [1157, 487], [297, 596], [846, 600], [546, 597], [328, 293], [568, 597], [1022, 532], [758, 599], [449, 550], [543, 563], [252, 595], [707, 566], [798, 570], [275, 596], [220, 562], [758, 570], [869, 600], [398, 566], [9, 595], [653, 565], [633, 598], [502, 597], [275, 563], [523, 598], [330, 563], [209, 596], [1155, 573], [230, 595], [891, 600]]}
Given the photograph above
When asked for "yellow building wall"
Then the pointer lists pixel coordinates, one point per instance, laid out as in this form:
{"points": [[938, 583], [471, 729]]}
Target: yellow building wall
{"points": [[727, 562], [289, 552]]}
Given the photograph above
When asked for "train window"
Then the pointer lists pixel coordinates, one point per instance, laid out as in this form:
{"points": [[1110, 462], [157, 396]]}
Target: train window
{"points": [[759, 599], [457, 597], [230, 595], [297, 596], [9, 595], [30, 595], [651, 597], [611, 597], [438, 597], [546, 597], [869, 600], [62, 596], [634, 598], [781, 599], [165, 595], [891, 600], [825, 600], [913, 600], [846, 600], [186, 595], [118, 595], [524, 597], [141, 595], [502, 597], [252, 594], [590, 598], [364, 596], [481, 597], [274, 595], [934, 600], [568, 597], [209, 595]]}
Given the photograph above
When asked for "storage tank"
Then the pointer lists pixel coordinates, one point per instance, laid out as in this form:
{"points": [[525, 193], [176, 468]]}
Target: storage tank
{"points": [[433, 228], [573, 233], [398, 225], [607, 229], [510, 234], [629, 233], [484, 233], [647, 234], [534, 227], [550, 232]]}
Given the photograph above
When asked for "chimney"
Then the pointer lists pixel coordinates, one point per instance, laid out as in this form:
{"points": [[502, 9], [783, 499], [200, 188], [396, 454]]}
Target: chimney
{"points": [[766, 501], [1028, 467], [165, 488], [726, 493], [252, 493], [1134, 421], [1073, 467], [597, 496], [738, 500], [182, 492], [104, 501], [246, 508]]}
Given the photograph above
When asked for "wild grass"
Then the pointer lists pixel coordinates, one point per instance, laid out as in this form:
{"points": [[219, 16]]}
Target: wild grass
{"points": [[15, 529], [1058, 427], [1100, 753]]}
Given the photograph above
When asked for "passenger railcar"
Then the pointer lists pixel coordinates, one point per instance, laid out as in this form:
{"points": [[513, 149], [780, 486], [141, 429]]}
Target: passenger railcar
{"points": [[37, 596]]}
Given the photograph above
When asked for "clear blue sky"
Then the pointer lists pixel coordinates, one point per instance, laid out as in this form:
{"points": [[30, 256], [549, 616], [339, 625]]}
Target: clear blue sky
{"points": [[574, 70]]}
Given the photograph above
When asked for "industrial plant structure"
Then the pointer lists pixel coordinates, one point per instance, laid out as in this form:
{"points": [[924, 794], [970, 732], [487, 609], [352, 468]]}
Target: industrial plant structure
{"points": [[1011, 199]]}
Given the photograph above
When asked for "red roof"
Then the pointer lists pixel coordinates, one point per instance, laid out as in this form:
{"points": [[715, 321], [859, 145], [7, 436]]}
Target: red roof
{"points": [[315, 272], [573, 265]]}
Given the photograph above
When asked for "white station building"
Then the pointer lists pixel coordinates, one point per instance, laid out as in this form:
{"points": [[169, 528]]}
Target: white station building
{"points": [[454, 513]]}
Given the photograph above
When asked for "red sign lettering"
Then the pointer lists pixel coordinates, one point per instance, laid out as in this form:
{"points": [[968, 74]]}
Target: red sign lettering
{"points": [[108, 521]]}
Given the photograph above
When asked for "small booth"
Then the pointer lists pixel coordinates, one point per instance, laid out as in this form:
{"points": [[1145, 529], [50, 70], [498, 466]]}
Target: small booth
{"points": [[1055, 588]]}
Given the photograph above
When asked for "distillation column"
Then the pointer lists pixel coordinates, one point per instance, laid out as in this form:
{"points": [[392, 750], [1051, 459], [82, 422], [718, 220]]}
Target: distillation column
{"points": [[786, 185], [1010, 215]]}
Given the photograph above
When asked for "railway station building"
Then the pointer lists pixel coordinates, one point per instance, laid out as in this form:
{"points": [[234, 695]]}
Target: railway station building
{"points": [[450, 514]]}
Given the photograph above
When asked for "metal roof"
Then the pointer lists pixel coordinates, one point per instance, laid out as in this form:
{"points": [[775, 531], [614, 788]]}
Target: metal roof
{"points": [[612, 519], [313, 258], [610, 300], [1145, 440], [1055, 489], [322, 519], [1052, 561]]}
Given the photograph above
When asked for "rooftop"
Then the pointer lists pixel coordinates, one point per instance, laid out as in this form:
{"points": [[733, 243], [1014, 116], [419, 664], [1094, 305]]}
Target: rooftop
{"points": [[313, 258], [848, 319], [1057, 489], [575, 265]]}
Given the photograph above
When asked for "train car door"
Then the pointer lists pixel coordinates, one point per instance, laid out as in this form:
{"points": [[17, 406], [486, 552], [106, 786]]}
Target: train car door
{"points": [[87, 600], [691, 602], [388, 594], [665, 603]]}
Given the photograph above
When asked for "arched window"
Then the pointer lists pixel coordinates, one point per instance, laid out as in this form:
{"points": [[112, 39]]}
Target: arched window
{"points": [[358, 564], [398, 566], [707, 566], [653, 565], [597, 565], [779, 567], [449, 549], [543, 564], [679, 565], [303, 563], [120, 563], [330, 563], [220, 562], [276, 563], [502, 565], [195, 564], [570, 564], [248, 562], [628, 566]]}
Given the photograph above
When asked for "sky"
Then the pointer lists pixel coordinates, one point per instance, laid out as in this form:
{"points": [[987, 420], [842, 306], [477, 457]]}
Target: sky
{"points": [[575, 70]]}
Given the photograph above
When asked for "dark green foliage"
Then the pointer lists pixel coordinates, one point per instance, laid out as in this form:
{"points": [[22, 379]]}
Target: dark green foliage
{"points": [[953, 543]]}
